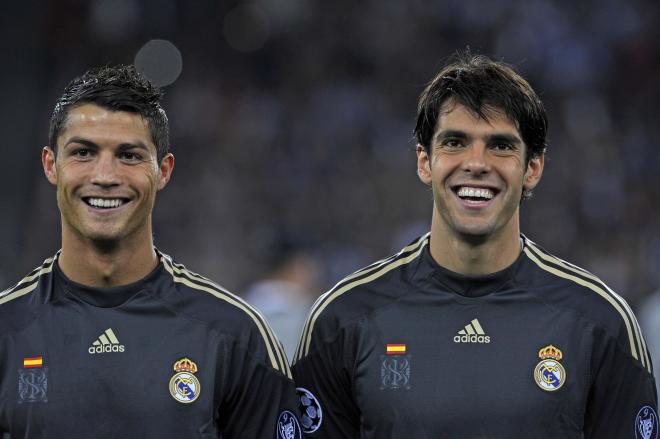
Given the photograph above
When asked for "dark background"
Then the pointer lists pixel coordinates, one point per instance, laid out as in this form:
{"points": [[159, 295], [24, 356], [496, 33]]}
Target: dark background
{"points": [[292, 120]]}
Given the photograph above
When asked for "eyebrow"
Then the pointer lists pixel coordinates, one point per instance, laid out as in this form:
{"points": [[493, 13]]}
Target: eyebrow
{"points": [[129, 145], [496, 137], [445, 134], [81, 141], [503, 137], [122, 146]]}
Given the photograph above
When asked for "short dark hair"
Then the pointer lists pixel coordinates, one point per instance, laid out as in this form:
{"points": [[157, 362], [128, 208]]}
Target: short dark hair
{"points": [[483, 85], [116, 88]]}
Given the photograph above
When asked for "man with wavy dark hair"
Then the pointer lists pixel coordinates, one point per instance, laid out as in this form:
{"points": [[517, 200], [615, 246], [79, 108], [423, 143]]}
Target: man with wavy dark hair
{"points": [[110, 337], [473, 330]]}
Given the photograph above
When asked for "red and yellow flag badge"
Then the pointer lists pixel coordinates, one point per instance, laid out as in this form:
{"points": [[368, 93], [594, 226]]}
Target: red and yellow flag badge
{"points": [[31, 362], [395, 349]]}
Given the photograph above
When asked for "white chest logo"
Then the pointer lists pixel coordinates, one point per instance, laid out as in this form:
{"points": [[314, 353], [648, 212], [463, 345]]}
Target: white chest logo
{"points": [[106, 343]]}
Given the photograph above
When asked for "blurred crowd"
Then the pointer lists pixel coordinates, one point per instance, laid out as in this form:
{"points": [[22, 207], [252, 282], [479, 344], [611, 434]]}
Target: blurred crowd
{"points": [[294, 118]]}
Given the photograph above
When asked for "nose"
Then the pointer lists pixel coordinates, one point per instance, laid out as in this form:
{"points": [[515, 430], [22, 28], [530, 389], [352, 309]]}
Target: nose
{"points": [[105, 172], [476, 160]]}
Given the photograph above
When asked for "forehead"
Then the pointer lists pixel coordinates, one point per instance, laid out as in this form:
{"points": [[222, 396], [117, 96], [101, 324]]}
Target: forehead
{"points": [[101, 125], [454, 115]]}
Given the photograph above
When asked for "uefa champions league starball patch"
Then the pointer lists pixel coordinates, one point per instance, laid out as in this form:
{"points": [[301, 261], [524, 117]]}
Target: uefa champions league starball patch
{"points": [[311, 414], [287, 426], [184, 385], [549, 374], [646, 423]]}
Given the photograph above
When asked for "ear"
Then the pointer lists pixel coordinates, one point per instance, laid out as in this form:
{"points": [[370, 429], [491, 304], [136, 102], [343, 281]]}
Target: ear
{"points": [[165, 170], [48, 162], [534, 172], [423, 165]]}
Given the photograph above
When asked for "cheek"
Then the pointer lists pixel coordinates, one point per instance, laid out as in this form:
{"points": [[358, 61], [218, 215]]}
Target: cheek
{"points": [[71, 174], [512, 170], [68, 169], [440, 171], [66, 182], [516, 165], [150, 180]]}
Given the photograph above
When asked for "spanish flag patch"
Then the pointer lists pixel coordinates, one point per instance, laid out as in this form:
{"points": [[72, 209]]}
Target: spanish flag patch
{"points": [[31, 362], [395, 349]]}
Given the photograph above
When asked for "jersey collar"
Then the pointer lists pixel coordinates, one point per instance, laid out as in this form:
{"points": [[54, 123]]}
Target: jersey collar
{"points": [[468, 285], [104, 297]]}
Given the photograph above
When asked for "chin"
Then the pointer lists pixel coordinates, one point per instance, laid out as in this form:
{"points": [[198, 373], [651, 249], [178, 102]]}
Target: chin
{"points": [[106, 246], [474, 238], [475, 232], [103, 236]]}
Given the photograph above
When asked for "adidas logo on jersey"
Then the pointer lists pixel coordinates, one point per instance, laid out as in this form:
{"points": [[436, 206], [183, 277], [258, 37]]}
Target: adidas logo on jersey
{"points": [[106, 343], [472, 333]]}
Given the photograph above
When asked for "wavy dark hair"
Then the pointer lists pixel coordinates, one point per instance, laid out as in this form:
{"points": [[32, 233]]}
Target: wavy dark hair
{"points": [[483, 85]]}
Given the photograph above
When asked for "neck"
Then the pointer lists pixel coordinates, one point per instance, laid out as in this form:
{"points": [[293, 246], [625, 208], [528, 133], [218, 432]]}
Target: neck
{"points": [[106, 264], [474, 255]]}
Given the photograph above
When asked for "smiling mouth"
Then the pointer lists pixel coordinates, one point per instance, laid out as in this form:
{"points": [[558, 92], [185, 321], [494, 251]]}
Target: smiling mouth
{"points": [[475, 194], [105, 203]]}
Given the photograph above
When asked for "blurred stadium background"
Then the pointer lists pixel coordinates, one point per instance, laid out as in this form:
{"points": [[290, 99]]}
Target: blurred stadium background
{"points": [[292, 120]]}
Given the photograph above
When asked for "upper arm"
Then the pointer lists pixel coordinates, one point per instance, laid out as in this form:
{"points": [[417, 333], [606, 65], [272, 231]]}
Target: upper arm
{"points": [[622, 399], [324, 380], [259, 400]]}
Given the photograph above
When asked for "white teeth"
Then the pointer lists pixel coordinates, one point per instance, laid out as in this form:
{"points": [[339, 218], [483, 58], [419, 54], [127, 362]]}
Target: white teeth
{"points": [[465, 191], [105, 203]]}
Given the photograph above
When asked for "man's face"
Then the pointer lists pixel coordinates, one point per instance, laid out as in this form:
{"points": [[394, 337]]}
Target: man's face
{"points": [[477, 171], [106, 173]]}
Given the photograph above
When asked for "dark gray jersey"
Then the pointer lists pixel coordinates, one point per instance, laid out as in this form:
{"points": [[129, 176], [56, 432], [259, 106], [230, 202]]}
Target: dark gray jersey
{"points": [[171, 356], [407, 349]]}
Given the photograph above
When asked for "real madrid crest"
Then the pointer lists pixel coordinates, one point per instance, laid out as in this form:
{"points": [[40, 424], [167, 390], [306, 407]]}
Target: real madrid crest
{"points": [[549, 374], [184, 385]]}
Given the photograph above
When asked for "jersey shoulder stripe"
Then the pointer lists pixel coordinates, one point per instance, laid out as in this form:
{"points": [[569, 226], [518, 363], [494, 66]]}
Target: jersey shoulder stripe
{"points": [[361, 272], [28, 283], [362, 276], [180, 274], [566, 270]]}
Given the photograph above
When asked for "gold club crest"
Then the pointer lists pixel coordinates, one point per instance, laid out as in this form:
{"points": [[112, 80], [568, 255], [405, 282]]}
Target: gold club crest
{"points": [[184, 385], [549, 374]]}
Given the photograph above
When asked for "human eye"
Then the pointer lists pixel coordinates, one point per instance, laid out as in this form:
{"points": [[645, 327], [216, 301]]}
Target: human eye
{"points": [[503, 146], [451, 143], [130, 157], [81, 153]]}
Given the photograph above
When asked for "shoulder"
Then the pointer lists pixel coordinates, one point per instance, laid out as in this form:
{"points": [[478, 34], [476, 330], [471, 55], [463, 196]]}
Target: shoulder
{"points": [[18, 302], [29, 283], [204, 300], [582, 291], [359, 294]]}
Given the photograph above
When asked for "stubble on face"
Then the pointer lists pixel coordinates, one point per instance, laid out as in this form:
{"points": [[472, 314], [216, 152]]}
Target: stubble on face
{"points": [[485, 156], [109, 156]]}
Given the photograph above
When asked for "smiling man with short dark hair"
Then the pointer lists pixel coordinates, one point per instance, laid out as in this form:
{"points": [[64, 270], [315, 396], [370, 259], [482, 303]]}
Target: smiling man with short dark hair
{"points": [[110, 337], [473, 331]]}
